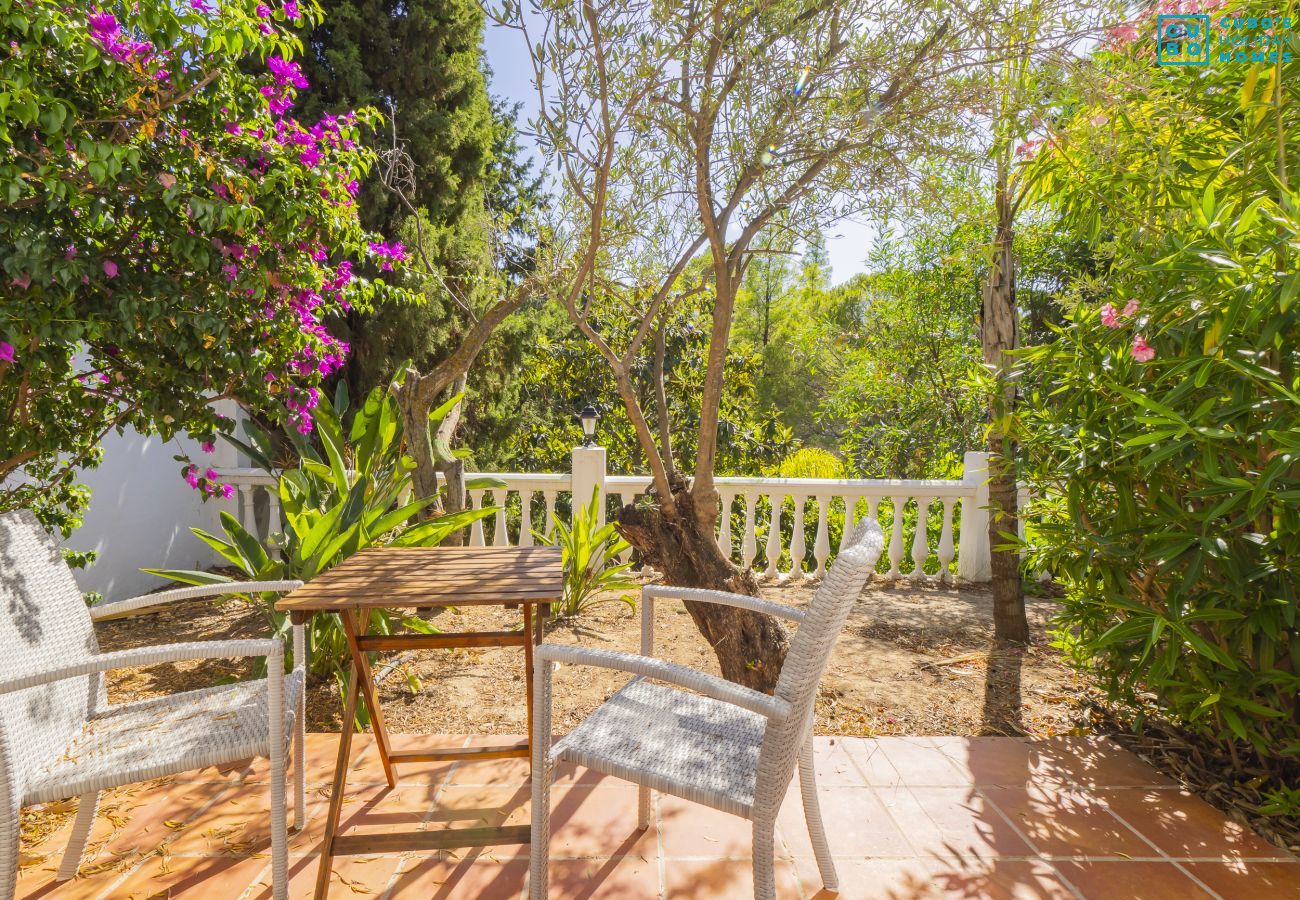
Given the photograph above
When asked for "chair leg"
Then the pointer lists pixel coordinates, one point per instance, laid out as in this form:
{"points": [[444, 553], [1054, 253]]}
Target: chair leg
{"points": [[643, 807], [300, 762], [764, 872], [76, 848], [279, 814], [539, 851], [812, 813], [10, 811]]}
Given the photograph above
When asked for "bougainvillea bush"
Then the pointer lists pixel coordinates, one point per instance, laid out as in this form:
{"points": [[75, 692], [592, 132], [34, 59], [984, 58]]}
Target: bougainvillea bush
{"points": [[170, 235], [1162, 426]]}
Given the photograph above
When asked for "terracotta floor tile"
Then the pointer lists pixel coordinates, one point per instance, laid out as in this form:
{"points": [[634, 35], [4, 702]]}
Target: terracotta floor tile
{"points": [[322, 753], [495, 772], [871, 879], [1000, 879], [834, 760], [470, 877], [240, 823], [916, 879], [1067, 822], [951, 822], [478, 807], [351, 876], [1242, 878], [599, 822], [136, 821], [858, 825], [624, 878], [1091, 762], [1103, 880], [193, 876], [724, 879], [1184, 825], [912, 761], [693, 830], [38, 882]]}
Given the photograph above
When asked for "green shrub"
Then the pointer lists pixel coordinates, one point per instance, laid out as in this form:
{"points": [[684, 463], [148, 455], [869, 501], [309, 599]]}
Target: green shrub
{"points": [[591, 565], [352, 497], [1161, 428]]}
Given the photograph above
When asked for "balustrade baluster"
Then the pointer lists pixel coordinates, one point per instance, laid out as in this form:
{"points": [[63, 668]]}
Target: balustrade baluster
{"points": [[247, 514], [850, 518], [921, 539], [896, 538], [501, 497], [548, 522], [622, 501], [945, 551], [525, 518], [273, 520], [774, 537], [724, 532], [476, 530], [797, 543], [822, 546], [749, 543]]}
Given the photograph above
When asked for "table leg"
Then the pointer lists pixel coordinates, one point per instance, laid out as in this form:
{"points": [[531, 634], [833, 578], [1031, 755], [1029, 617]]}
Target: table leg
{"points": [[336, 794], [529, 631], [361, 670]]}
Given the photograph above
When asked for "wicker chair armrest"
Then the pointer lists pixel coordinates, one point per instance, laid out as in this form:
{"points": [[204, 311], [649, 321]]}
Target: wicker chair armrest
{"points": [[743, 601], [147, 656], [120, 607], [682, 676]]}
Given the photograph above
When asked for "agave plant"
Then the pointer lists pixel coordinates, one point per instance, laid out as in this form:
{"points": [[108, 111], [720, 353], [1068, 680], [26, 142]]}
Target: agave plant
{"points": [[355, 492], [591, 565]]}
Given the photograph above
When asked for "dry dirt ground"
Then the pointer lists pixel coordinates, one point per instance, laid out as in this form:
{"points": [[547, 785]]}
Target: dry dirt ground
{"points": [[912, 660]]}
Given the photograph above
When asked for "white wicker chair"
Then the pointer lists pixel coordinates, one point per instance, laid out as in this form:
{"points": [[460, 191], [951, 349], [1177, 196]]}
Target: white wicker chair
{"points": [[60, 738], [724, 745]]}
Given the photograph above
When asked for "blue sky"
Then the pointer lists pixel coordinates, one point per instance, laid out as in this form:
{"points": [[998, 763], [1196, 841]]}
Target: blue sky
{"points": [[847, 242]]}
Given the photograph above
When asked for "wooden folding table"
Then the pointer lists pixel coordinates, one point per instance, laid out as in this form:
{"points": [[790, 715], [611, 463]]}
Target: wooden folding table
{"points": [[529, 578]]}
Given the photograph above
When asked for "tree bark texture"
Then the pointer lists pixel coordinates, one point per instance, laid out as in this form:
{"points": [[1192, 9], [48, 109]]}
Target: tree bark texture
{"points": [[998, 334], [750, 647]]}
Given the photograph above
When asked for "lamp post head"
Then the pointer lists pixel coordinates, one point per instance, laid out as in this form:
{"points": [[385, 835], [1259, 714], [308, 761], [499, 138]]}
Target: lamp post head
{"points": [[588, 417]]}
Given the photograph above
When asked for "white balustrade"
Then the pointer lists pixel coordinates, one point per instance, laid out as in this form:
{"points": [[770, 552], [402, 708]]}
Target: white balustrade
{"points": [[781, 553]]}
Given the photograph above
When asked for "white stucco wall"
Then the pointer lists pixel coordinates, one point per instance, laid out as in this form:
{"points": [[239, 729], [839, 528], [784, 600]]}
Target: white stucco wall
{"points": [[140, 515]]}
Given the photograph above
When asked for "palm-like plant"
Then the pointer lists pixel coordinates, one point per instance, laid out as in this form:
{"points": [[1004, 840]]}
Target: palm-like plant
{"points": [[355, 492], [591, 564]]}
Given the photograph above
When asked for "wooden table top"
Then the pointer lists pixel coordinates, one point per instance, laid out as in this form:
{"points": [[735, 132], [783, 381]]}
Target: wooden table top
{"points": [[395, 577]]}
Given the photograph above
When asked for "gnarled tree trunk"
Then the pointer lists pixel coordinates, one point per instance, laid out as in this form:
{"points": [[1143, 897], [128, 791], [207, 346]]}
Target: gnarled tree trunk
{"points": [[750, 647]]}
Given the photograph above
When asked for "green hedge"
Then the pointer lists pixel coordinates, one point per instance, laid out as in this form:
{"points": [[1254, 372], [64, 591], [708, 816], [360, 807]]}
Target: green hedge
{"points": [[1170, 483]]}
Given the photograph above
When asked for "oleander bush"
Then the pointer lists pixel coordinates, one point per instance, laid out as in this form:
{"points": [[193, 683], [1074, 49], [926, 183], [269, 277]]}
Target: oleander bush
{"points": [[1161, 427]]}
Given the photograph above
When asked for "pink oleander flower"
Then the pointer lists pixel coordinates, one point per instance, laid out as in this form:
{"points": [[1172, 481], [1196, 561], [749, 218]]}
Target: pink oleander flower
{"points": [[208, 447], [1109, 317], [110, 268], [1142, 351], [6, 352], [1131, 308]]}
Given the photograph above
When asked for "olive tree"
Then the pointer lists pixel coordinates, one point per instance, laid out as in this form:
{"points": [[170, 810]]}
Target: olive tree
{"points": [[683, 132]]}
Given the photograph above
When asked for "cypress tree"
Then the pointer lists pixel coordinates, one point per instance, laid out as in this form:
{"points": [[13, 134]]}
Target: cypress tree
{"points": [[418, 61]]}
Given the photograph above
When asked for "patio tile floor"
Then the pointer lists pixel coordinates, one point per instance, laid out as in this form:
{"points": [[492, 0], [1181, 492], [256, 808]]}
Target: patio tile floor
{"points": [[908, 818]]}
